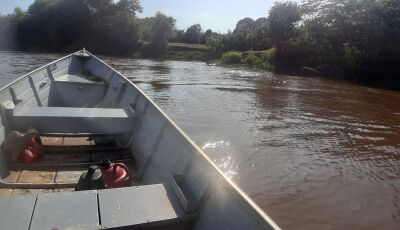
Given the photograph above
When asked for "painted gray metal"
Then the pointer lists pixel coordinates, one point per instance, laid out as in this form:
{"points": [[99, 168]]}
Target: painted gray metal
{"points": [[76, 94], [73, 120], [171, 152], [72, 210], [139, 207], [59, 112], [16, 212], [161, 149]]}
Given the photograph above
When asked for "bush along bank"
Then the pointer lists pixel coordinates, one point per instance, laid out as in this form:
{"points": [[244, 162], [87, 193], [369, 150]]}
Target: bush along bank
{"points": [[189, 52], [175, 51], [261, 59]]}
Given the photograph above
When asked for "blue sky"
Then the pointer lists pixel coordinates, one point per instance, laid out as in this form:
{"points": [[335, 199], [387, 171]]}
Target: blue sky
{"points": [[218, 15]]}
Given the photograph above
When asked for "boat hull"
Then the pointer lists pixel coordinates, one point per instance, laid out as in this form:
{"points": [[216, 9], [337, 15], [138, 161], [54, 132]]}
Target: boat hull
{"points": [[162, 152]]}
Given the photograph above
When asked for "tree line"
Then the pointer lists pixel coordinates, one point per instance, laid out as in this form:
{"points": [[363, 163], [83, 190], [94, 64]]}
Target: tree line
{"points": [[102, 26], [353, 39], [65, 25]]}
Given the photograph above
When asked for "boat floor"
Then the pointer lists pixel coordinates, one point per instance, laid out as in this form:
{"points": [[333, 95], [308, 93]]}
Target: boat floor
{"points": [[63, 161]]}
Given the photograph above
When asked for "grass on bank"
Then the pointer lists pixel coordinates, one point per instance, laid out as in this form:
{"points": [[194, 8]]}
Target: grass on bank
{"points": [[198, 52], [263, 59], [186, 55], [187, 46], [175, 51], [231, 57], [185, 51]]}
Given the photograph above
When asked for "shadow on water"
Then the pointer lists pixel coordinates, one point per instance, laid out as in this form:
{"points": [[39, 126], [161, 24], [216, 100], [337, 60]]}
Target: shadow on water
{"points": [[134, 81], [160, 68], [160, 85], [235, 89]]}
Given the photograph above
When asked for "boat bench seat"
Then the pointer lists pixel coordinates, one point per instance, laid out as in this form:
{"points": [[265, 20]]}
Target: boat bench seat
{"points": [[71, 120], [143, 206], [147, 206]]}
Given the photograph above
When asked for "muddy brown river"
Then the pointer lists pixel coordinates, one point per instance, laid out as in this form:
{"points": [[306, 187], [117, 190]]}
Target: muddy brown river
{"points": [[313, 153]]}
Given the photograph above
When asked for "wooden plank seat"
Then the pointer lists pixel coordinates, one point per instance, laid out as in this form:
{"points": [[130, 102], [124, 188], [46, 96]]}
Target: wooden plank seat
{"points": [[71, 120]]}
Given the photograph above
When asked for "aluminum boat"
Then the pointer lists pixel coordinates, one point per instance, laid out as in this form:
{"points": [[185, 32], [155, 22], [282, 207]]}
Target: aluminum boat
{"points": [[76, 113]]}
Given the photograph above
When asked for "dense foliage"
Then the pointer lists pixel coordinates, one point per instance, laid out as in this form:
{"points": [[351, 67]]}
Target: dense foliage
{"points": [[354, 39], [231, 57], [103, 26], [161, 28], [359, 39], [262, 59]]}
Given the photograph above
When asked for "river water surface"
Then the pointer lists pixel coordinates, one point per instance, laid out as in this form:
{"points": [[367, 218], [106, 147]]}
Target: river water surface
{"points": [[313, 153]]}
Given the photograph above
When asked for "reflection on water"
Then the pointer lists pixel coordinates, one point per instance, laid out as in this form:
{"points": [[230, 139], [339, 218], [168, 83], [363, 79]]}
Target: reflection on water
{"points": [[160, 68], [227, 164], [16, 64], [160, 85], [313, 153]]}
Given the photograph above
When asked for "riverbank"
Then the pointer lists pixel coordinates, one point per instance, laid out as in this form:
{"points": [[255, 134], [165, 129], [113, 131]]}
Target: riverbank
{"points": [[264, 60], [269, 60], [187, 52]]}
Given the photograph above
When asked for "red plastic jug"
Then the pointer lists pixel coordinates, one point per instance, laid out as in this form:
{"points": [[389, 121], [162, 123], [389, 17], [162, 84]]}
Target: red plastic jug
{"points": [[30, 153], [116, 174]]}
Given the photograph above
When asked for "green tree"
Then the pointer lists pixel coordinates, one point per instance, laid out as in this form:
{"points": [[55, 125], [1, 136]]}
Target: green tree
{"points": [[179, 36], [193, 34], [18, 14], [243, 34], [206, 36], [282, 20], [103, 26], [129, 7], [161, 30], [355, 38], [260, 40], [145, 25]]}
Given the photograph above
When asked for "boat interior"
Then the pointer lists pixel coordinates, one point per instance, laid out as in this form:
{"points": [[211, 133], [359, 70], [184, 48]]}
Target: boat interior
{"points": [[82, 112]]}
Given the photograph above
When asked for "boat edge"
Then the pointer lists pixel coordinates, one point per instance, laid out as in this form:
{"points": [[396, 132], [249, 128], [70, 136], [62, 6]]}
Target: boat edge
{"points": [[239, 191]]}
